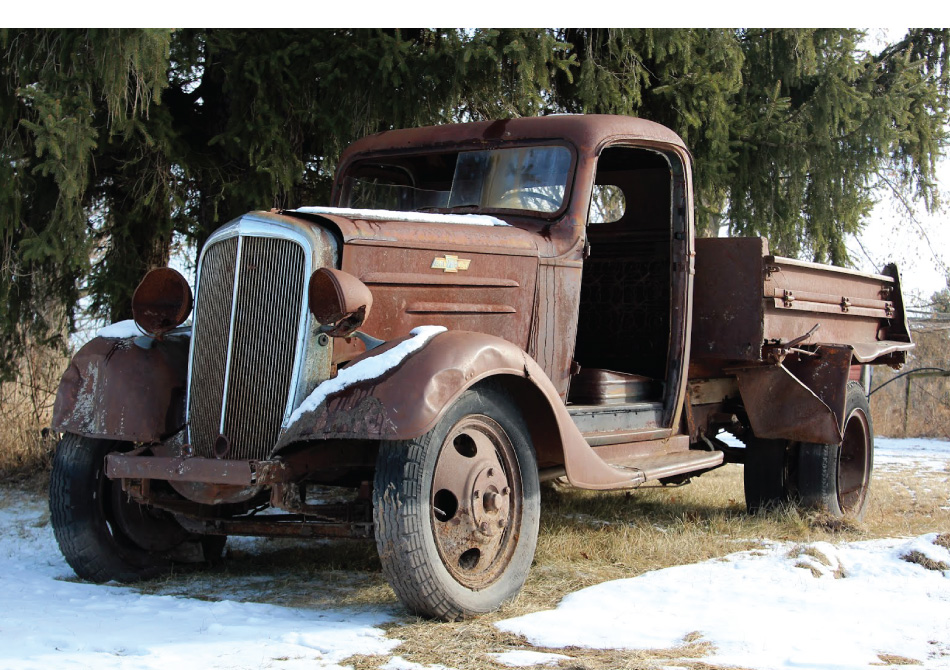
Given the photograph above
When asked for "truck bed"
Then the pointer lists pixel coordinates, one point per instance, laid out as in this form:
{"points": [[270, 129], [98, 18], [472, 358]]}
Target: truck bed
{"points": [[746, 299]]}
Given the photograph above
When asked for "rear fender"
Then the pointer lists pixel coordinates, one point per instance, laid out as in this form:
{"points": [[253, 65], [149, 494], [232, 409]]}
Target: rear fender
{"points": [[802, 399], [117, 390], [408, 400]]}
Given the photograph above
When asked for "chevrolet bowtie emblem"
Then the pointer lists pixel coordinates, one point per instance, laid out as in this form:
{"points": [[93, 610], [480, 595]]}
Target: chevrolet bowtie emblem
{"points": [[450, 263]]}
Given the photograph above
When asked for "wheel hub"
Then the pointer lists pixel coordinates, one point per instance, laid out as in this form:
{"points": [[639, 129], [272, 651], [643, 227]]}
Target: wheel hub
{"points": [[476, 508]]}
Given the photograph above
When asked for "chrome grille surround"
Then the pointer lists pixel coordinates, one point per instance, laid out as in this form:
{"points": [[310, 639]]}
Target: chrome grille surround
{"points": [[254, 350]]}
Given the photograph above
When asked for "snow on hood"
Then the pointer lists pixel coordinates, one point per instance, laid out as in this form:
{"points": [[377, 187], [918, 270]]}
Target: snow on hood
{"points": [[128, 328], [368, 368], [411, 217], [784, 606]]}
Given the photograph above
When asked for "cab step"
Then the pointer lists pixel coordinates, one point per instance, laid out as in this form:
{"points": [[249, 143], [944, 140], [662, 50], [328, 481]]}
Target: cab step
{"points": [[660, 466]]}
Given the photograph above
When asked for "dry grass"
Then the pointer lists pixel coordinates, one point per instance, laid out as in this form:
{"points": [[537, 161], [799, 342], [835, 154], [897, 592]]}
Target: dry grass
{"points": [[26, 404], [918, 407], [470, 645], [894, 659], [925, 562]]}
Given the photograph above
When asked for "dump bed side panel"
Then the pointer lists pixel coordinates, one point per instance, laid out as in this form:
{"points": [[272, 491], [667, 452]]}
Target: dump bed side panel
{"points": [[847, 306], [746, 298]]}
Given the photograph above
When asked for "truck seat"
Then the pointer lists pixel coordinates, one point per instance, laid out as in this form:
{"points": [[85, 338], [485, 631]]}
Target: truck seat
{"points": [[595, 386]]}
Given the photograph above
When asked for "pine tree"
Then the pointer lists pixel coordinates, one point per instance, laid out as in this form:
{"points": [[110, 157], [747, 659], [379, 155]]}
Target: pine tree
{"points": [[115, 143]]}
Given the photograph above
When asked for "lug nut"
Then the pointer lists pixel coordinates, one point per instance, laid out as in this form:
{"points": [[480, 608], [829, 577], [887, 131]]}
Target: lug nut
{"points": [[491, 501]]}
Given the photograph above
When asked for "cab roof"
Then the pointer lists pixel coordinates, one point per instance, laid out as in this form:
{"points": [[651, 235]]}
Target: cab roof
{"points": [[586, 131]]}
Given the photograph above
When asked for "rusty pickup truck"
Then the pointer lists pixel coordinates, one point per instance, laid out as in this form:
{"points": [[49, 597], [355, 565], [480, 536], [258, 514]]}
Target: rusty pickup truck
{"points": [[483, 307]]}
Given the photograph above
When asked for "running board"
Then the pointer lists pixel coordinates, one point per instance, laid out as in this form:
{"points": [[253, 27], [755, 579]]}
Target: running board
{"points": [[660, 466]]}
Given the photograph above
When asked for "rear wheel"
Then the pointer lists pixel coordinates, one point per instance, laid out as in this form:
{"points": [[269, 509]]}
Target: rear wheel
{"points": [[836, 478], [766, 473], [103, 534], [456, 511]]}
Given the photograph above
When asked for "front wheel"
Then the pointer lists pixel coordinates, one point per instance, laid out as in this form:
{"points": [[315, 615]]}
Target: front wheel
{"points": [[836, 478], [457, 510], [103, 534]]}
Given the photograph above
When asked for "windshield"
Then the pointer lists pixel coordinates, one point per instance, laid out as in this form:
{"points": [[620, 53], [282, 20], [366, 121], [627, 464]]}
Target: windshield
{"points": [[533, 179]]}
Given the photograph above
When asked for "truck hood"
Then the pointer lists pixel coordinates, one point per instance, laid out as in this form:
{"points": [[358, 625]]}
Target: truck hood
{"points": [[463, 272], [488, 234]]}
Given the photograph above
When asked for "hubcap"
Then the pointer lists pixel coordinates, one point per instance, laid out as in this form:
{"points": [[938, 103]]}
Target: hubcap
{"points": [[476, 501]]}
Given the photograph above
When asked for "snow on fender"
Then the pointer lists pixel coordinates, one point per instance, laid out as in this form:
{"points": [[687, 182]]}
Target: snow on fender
{"points": [[306, 419]]}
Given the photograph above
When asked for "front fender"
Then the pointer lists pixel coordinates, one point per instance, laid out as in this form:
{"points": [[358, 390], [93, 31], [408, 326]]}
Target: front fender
{"points": [[407, 401], [117, 390]]}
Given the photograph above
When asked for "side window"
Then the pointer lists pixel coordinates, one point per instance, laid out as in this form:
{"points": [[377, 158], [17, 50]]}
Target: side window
{"points": [[607, 204]]}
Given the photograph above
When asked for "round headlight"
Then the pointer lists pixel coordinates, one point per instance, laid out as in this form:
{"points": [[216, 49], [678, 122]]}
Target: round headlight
{"points": [[161, 302], [339, 301]]}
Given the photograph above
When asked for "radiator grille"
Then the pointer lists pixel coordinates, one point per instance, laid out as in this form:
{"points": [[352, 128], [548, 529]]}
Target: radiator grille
{"points": [[242, 362]]}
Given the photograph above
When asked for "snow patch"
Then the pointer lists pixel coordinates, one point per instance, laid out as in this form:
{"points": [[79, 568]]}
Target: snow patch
{"points": [[409, 217], [762, 610], [523, 658], [49, 620], [922, 453], [121, 329], [368, 368]]}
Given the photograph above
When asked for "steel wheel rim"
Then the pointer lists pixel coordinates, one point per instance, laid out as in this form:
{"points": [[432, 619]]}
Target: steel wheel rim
{"points": [[854, 462], [476, 501], [132, 526]]}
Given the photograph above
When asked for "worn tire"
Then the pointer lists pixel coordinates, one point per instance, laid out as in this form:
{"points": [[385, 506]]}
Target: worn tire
{"points": [[102, 534], [836, 478], [457, 510], [766, 474]]}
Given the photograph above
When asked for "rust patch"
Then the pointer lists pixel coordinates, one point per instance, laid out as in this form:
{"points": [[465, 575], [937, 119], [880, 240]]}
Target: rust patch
{"points": [[114, 389]]}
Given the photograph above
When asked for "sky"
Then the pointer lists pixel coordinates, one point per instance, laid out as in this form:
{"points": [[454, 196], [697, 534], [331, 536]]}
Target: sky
{"points": [[920, 244], [918, 241]]}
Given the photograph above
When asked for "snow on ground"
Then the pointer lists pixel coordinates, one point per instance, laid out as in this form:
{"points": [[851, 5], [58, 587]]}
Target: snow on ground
{"points": [[49, 620], [782, 606], [523, 658], [766, 609], [920, 453]]}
